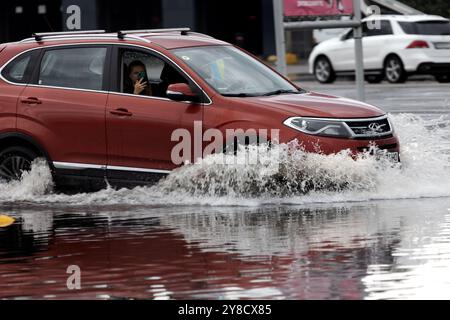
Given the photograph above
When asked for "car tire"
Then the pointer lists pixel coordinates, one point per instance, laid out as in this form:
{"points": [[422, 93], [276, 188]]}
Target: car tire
{"points": [[443, 78], [375, 78], [14, 161], [323, 70], [394, 70]]}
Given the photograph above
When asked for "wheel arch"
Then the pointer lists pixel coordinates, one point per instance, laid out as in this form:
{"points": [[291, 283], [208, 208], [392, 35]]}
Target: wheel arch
{"points": [[322, 55], [10, 139], [392, 54]]}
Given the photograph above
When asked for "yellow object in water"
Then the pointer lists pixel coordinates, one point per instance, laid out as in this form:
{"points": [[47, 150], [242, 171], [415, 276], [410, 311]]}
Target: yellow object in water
{"points": [[6, 221]]}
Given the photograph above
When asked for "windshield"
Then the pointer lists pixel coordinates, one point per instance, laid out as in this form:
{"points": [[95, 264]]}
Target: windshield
{"points": [[231, 72], [434, 28]]}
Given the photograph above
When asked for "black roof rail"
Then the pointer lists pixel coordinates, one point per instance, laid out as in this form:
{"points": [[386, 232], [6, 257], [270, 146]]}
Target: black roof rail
{"points": [[122, 33], [40, 36]]}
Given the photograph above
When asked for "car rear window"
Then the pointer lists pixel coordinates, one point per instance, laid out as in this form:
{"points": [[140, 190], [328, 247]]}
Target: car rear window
{"points": [[79, 68], [435, 28]]}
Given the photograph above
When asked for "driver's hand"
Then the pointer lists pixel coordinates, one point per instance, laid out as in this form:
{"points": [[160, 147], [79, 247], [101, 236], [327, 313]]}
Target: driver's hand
{"points": [[139, 86]]}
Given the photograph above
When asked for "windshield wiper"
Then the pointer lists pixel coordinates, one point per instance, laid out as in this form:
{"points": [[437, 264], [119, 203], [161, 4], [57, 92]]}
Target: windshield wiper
{"points": [[281, 91], [272, 93], [240, 95]]}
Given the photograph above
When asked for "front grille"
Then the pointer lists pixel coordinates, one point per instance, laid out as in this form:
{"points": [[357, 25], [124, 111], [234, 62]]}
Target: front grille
{"points": [[370, 138], [370, 128]]}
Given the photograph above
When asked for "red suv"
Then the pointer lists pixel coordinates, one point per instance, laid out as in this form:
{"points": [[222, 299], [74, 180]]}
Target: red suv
{"points": [[103, 106]]}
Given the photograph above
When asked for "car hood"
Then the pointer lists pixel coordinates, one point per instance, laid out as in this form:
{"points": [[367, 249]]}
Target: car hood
{"points": [[328, 42], [318, 105]]}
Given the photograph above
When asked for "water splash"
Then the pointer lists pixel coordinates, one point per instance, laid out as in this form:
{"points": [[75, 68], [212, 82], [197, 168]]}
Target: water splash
{"points": [[303, 177], [33, 184], [294, 172]]}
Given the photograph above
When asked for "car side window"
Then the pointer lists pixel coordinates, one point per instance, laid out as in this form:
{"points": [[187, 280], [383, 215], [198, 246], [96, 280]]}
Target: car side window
{"points": [[79, 68], [371, 30], [349, 35], [146, 74], [19, 70], [386, 27]]}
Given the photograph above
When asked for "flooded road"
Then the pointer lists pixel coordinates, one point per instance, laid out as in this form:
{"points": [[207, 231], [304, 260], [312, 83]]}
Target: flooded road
{"points": [[365, 230], [378, 250]]}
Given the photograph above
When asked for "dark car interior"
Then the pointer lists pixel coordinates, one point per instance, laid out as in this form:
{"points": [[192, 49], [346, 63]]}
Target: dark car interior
{"points": [[159, 78]]}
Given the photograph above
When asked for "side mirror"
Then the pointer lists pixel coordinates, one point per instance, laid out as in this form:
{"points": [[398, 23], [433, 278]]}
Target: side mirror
{"points": [[181, 92]]}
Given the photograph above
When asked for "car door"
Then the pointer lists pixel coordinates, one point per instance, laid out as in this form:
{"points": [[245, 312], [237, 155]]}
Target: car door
{"points": [[139, 127], [64, 106], [376, 36], [343, 54]]}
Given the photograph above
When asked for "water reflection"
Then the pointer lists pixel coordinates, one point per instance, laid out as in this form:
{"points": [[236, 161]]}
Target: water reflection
{"points": [[380, 250]]}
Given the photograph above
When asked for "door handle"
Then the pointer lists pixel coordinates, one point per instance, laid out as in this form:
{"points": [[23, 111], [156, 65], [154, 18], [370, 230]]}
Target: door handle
{"points": [[31, 100], [122, 112]]}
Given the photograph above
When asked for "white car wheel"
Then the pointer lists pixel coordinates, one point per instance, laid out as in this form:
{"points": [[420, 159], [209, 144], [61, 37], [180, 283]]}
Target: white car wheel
{"points": [[394, 71], [323, 70]]}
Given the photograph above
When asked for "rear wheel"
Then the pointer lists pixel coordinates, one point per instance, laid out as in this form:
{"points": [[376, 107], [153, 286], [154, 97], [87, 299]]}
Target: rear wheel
{"points": [[323, 70], [14, 161], [394, 70], [443, 78]]}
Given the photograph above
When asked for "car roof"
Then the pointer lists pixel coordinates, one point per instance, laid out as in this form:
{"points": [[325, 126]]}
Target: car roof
{"points": [[169, 39], [406, 18]]}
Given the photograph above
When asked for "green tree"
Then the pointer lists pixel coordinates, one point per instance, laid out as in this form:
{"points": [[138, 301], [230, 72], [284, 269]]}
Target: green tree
{"points": [[439, 7]]}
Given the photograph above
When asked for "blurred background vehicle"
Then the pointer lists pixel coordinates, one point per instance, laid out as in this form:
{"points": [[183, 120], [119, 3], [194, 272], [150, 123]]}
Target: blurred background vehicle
{"points": [[251, 28], [395, 47], [385, 6]]}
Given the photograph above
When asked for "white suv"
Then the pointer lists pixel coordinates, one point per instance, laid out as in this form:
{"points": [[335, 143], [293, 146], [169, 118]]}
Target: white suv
{"points": [[399, 47]]}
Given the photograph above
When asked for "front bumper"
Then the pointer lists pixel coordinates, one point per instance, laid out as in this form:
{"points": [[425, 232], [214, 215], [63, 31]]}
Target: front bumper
{"points": [[328, 145]]}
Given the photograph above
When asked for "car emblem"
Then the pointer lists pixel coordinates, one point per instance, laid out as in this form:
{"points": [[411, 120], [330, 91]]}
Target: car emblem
{"points": [[375, 127]]}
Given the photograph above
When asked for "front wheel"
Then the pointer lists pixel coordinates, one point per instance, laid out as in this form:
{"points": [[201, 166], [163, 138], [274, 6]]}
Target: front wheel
{"points": [[323, 70], [443, 78], [14, 161], [394, 70]]}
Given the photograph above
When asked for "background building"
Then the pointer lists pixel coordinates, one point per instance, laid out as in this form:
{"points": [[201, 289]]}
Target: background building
{"points": [[246, 23]]}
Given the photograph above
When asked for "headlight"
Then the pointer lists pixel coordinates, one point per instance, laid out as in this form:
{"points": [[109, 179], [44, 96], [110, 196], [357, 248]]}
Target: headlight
{"points": [[327, 128]]}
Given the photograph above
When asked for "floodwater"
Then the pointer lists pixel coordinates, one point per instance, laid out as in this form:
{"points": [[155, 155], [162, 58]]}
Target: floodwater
{"points": [[363, 229]]}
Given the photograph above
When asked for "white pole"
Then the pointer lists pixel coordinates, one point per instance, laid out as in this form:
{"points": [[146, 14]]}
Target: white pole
{"points": [[278, 11], [359, 54]]}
